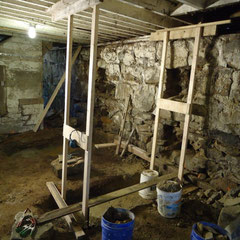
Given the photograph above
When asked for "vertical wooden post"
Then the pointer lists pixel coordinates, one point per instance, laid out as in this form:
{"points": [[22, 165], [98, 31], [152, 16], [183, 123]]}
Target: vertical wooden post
{"points": [[198, 34], [90, 109], [67, 102], [160, 95]]}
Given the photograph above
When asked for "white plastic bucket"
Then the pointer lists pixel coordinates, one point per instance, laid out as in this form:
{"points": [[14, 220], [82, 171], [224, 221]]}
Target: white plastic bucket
{"points": [[169, 203], [148, 193]]}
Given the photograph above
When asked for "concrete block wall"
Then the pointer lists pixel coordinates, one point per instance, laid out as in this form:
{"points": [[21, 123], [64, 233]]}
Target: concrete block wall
{"points": [[21, 58]]}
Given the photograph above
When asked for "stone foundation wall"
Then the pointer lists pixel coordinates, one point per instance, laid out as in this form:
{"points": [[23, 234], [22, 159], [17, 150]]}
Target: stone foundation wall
{"points": [[21, 84], [134, 69]]}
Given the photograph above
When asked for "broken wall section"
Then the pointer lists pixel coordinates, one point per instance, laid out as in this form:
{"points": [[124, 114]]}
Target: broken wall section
{"points": [[54, 62], [134, 69], [21, 59]]}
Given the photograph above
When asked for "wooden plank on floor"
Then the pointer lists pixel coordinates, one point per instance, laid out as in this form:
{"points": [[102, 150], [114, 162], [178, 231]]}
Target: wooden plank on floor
{"points": [[105, 145], [70, 219], [104, 198]]}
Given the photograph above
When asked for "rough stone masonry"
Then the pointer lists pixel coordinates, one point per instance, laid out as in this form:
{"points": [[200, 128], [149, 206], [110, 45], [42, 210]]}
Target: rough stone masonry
{"points": [[133, 69]]}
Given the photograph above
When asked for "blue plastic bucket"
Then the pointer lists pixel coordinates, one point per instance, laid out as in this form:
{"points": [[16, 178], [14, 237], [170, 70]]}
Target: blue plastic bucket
{"points": [[115, 231], [195, 236]]}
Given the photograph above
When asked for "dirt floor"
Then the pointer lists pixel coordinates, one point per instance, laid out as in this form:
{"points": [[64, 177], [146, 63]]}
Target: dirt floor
{"points": [[25, 168]]}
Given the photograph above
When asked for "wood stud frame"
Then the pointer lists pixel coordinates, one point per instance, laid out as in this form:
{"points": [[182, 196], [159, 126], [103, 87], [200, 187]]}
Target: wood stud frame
{"points": [[179, 107], [85, 140]]}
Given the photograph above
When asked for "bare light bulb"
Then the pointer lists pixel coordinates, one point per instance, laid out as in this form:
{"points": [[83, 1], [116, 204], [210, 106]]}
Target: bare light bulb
{"points": [[32, 32]]}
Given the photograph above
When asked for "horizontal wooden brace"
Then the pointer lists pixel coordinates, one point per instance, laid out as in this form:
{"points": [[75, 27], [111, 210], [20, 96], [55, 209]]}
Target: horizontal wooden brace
{"points": [[173, 106], [209, 29], [183, 34], [80, 137]]}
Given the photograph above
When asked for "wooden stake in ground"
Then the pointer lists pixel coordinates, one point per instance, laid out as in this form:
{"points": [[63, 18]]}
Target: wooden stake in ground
{"points": [[129, 138], [198, 32], [67, 103], [123, 123], [90, 109], [59, 85], [160, 95]]}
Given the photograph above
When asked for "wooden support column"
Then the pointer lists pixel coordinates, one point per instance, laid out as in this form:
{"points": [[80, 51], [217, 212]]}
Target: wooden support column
{"points": [[160, 95], [189, 102], [67, 102], [90, 109]]}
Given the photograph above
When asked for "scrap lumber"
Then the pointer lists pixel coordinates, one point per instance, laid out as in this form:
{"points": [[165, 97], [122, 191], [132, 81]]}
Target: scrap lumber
{"points": [[105, 145], [70, 219], [129, 138], [49, 216], [123, 123], [135, 150], [59, 85]]}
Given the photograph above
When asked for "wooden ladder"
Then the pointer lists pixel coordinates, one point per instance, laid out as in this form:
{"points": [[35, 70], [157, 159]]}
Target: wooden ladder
{"points": [[174, 106]]}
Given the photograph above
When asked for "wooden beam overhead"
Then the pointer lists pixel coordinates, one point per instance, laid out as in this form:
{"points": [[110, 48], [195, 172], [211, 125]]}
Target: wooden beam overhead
{"points": [[193, 3], [163, 6], [63, 9], [136, 13]]}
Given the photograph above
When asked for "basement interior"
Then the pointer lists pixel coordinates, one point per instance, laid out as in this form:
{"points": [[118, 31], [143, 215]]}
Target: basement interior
{"points": [[120, 119]]}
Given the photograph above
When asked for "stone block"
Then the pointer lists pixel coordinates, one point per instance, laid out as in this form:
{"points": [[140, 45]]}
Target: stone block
{"points": [[177, 54], [144, 128], [151, 74], [145, 50], [109, 55], [144, 97], [32, 109], [133, 73], [223, 81], [123, 90], [128, 59], [113, 70], [227, 215]]}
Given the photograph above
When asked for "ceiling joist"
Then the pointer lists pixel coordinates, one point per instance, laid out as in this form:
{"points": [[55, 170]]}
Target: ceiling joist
{"points": [[64, 8]]}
